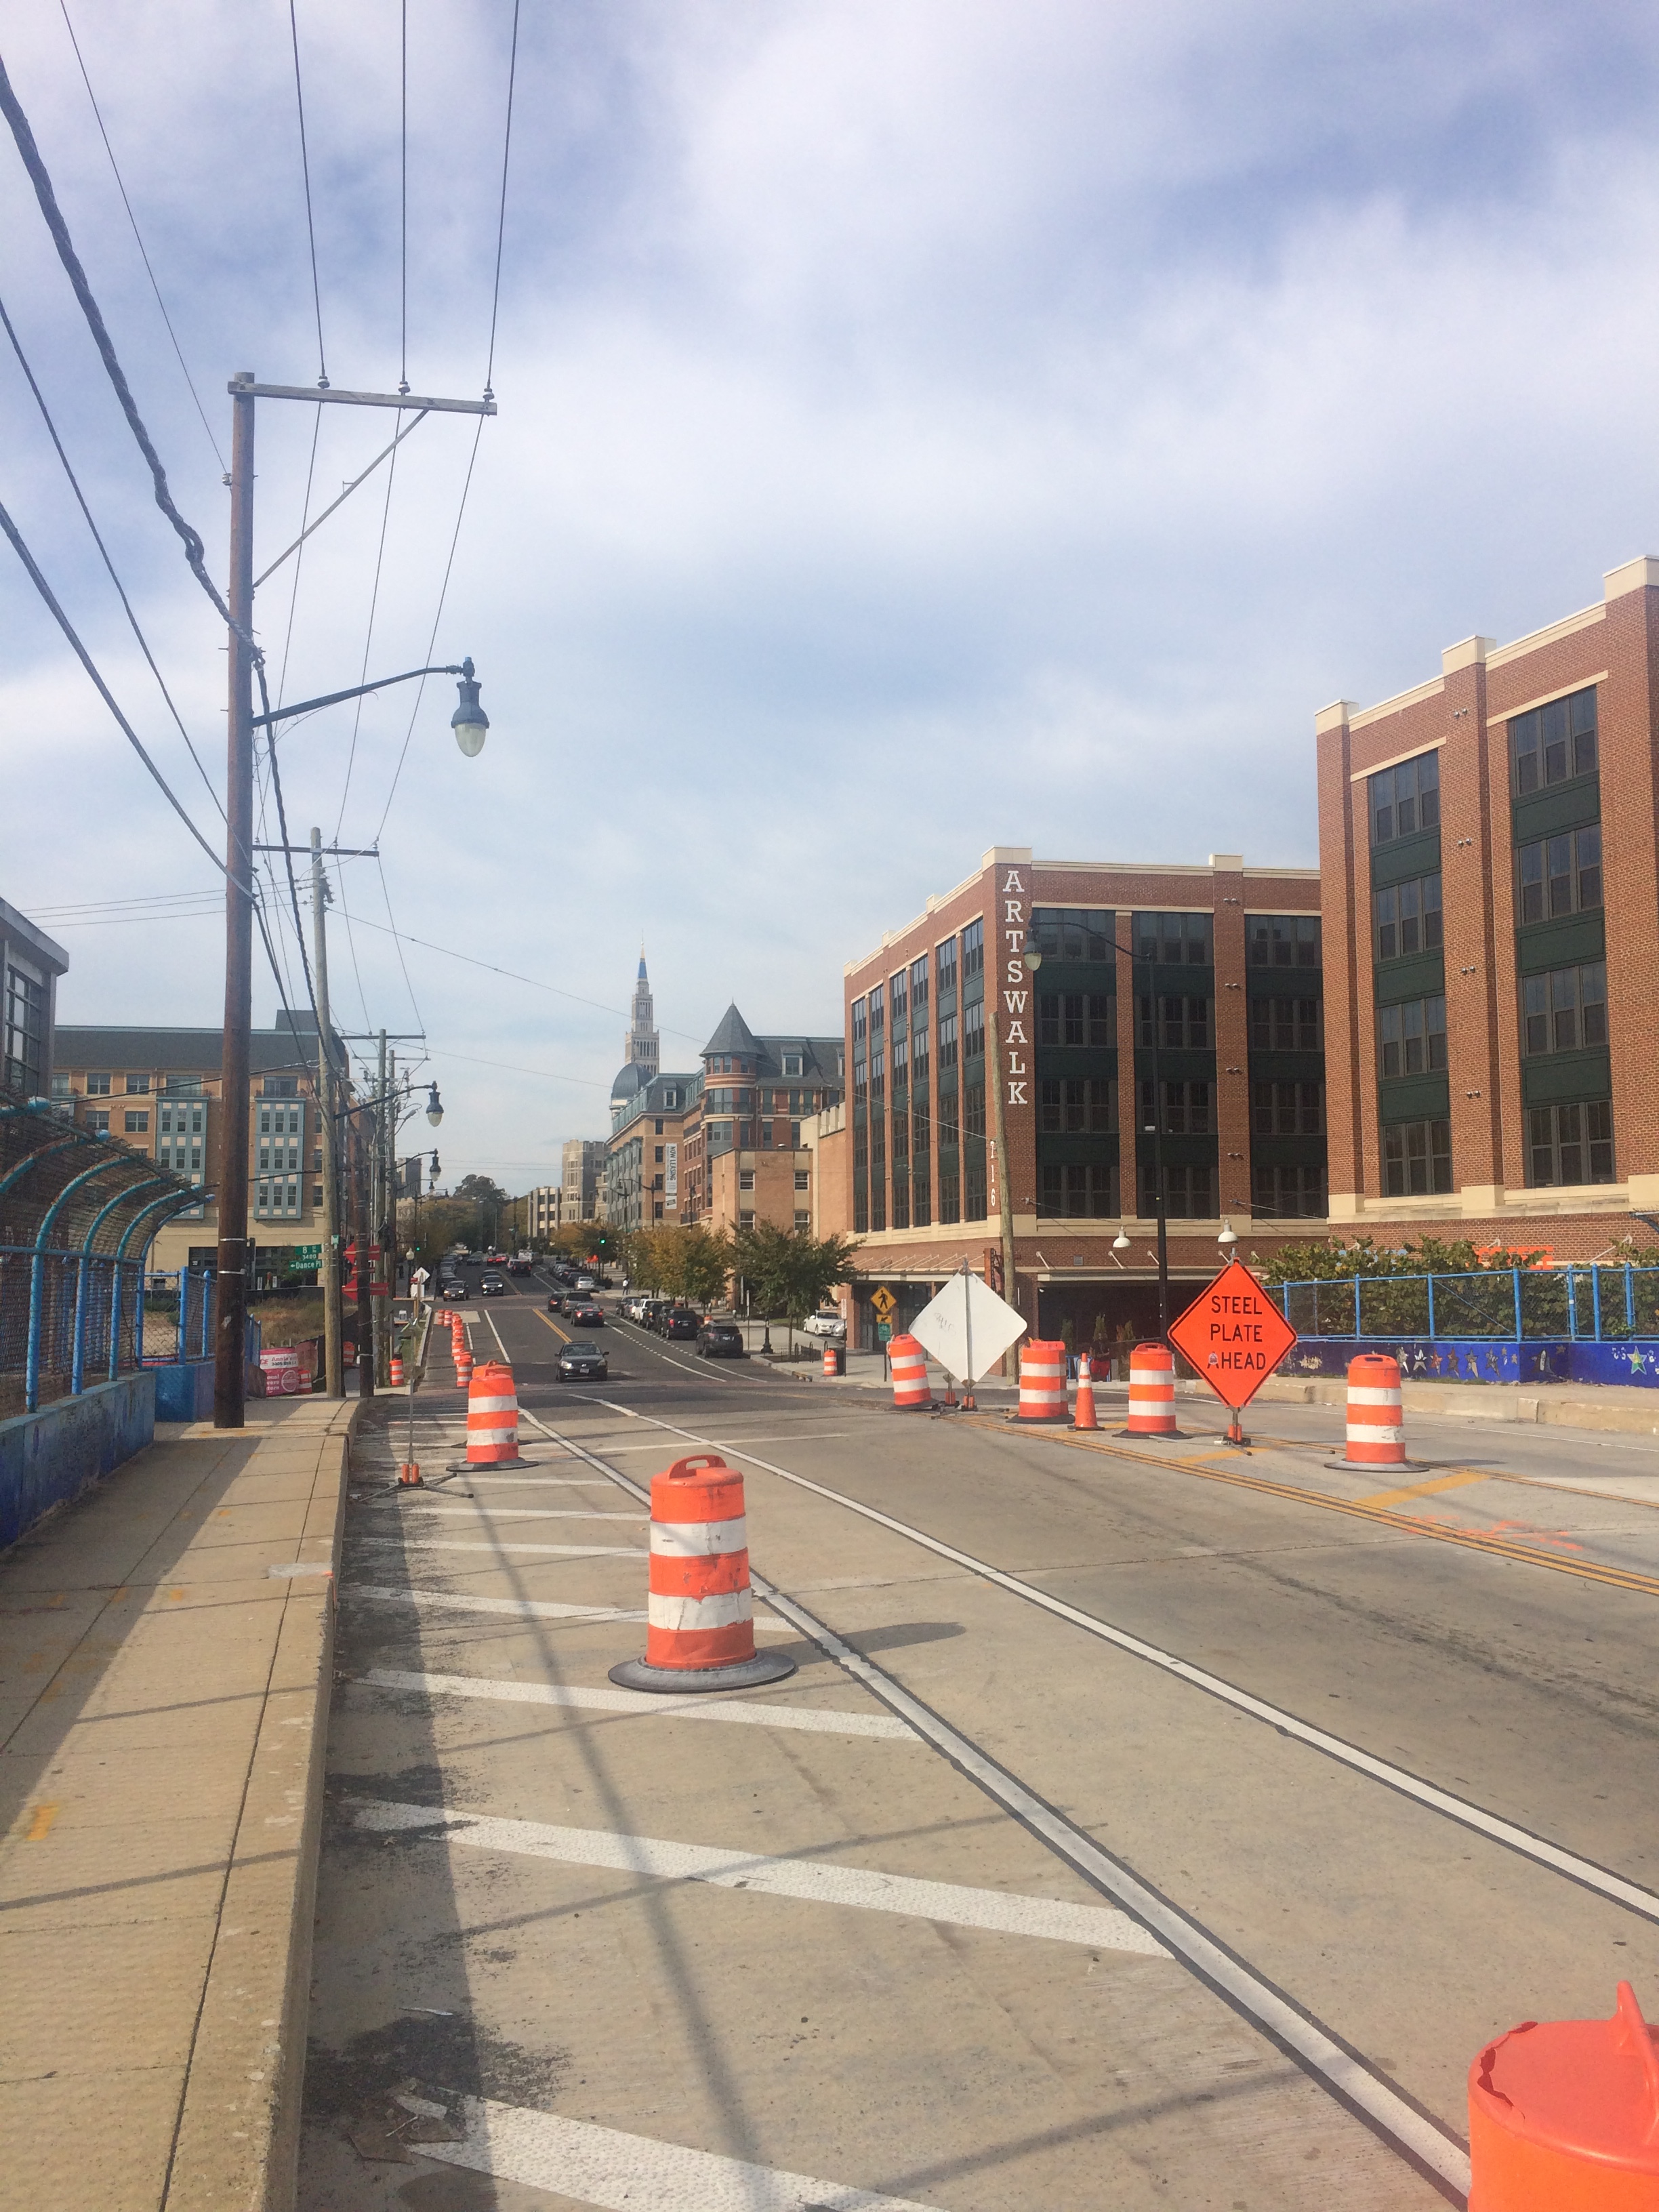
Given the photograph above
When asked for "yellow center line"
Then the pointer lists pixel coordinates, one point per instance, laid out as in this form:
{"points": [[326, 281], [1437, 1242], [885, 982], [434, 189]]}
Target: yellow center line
{"points": [[1454, 1481], [39, 1825], [553, 1325]]}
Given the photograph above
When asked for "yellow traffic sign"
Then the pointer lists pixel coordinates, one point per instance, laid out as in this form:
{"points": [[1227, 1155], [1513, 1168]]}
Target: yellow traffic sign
{"points": [[883, 1301]]}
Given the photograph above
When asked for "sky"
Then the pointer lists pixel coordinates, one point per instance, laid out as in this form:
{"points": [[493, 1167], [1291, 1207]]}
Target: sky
{"points": [[922, 427]]}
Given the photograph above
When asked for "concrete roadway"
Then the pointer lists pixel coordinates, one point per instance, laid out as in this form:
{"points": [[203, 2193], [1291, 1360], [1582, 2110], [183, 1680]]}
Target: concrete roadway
{"points": [[1203, 1890]]}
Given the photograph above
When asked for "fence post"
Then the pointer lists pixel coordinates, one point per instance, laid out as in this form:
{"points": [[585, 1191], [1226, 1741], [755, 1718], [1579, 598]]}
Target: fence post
{"points": [[78, 1356], [1358, 1317], [183, 1314], [1573, 1303], [1595, 1298], [1430, 1281], [1515, 1272], [1630, 1301]]}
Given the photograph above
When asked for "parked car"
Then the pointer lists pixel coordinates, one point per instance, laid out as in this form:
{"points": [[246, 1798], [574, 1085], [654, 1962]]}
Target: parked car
{"points": [[680, 1325], [493, 1286], [721, 1340], [585, 1313], [825, 1322], [656, 1313], [583, 1363]]}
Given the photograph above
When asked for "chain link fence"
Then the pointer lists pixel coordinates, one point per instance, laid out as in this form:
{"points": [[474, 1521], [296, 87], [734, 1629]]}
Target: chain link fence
{"points": [[77, 1213], [1578, 1304]]}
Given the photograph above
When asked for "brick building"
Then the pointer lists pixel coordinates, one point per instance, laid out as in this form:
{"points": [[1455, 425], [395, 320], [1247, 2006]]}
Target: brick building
{"points": [[1487, 842], [642, 1187], [742, 1156], [1201, 985]]}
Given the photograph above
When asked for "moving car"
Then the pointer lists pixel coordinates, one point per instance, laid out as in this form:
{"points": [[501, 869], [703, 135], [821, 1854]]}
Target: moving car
{"points": [[721, 1340], [493, 1286], [583, 1363], [682, 1325], [518, 1267], [585, 1283], [825, 1322], [584, 1313], [556, 1302]]}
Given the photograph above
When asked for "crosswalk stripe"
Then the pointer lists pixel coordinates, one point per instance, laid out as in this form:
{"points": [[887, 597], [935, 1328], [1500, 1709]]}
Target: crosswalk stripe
{"points": [[1101, 1927], [522, 1608], [817, 1719], [464, 1544]]}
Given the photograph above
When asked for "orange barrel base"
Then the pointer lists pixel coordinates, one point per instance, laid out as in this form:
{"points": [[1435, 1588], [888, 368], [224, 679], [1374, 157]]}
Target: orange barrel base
{"points": [[909, 1363], [1043, 1382], [700, 1620], [1563, 2116], [1151, 1392]]}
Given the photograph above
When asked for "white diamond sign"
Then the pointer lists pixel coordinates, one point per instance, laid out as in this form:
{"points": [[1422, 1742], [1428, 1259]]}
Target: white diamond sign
{"points": [[967, 1327]]}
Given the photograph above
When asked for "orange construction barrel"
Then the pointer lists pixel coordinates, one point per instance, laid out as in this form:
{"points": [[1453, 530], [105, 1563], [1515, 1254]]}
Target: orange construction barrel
{"points": [[1563, 2116]]}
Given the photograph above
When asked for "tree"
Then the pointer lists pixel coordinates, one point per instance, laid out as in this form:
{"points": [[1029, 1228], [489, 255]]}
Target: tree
{"points": [[790, 1272], [690, 1265]]}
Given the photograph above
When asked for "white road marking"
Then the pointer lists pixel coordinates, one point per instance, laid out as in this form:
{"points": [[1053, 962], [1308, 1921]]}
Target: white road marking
{"points": [[816, 1719], [473, 1508], [591, 2165], [521, 1609], [461, 1544], [814, 1882]]}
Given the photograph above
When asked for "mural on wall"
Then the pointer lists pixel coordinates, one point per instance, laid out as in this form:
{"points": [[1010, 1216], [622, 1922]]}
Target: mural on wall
{"points": [[1632, 1361]]}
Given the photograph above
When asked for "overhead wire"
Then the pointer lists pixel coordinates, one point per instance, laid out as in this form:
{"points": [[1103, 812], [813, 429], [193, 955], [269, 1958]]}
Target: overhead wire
{"points": [[369, 641], [97, 539], [305, 168], [137, 236], [403, 149], [397, 939], [500, 224]]}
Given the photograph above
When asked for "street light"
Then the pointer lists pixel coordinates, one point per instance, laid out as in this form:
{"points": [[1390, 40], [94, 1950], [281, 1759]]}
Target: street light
{"points": [[432, 1184], [469, 721], [1119, 1242], [1227, 1240], [435, 1108], [1031, 951]]}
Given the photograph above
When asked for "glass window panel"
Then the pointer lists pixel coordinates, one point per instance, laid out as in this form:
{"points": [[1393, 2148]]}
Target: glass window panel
{"points": [[1555, 747], [1559, 871], [1589, 857], [1523, 744]]}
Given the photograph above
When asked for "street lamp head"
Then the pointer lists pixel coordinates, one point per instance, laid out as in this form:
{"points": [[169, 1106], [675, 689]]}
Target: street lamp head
{"points": [[1227, 1240], [434, 1107], [1119, 1242], [1031, 951], [469, 721]]}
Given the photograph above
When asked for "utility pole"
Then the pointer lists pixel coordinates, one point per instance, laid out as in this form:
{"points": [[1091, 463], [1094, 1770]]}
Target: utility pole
{"points": [[334, 1372], [359, 1232], [230, 1289], [382, 1365]]}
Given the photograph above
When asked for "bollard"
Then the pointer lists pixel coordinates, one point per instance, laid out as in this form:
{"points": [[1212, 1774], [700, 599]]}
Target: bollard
{"points": [[700, 1613], [909, 1361], [1563, 2116], [1083, 1417], [492, 1417], [1151, 1392], [1041, 1382], [1376, 1419]]}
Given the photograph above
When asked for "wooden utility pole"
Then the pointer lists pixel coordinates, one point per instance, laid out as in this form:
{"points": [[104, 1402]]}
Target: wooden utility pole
{"points": [[231, 1285], [334, 1372]]}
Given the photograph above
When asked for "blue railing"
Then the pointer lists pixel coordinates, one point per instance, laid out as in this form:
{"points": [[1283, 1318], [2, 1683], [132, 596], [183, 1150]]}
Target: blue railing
{"points": [[1590, 1304]]}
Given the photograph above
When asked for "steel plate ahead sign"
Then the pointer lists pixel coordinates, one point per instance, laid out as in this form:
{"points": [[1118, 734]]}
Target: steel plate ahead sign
{"points": [[1234, 1335]]}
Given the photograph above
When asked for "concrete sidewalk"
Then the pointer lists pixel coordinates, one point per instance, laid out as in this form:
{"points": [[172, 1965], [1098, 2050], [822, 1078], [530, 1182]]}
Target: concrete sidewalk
{"points": [[166, 1647]]}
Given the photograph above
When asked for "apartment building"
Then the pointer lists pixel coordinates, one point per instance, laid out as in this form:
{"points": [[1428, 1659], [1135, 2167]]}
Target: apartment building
{"points": [[1141, 1011], [743, 1158], [1488, 844], [30, 965], [642, 1187], [544, 1210], [159, 1092], [582, 1174]]}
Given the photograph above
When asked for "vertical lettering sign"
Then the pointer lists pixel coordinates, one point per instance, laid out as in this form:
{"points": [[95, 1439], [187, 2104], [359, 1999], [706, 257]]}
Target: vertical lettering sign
{"points": [[671, 1174], [1015, 1047], [1234, 1334]]}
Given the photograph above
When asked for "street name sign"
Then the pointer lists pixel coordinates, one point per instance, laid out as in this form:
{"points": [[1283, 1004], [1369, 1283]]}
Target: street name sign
{"points": [[967, 1327], [1234, 1335]]}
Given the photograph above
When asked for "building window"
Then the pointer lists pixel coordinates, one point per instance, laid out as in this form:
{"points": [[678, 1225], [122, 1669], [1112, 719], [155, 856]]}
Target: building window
{"points": [[973, 1110], [137, 1124], [1570, 1144], [1077, 1017], [1295, 1192], [1077, 1191], [1554, 743], [97, 1120], [973, 1208], [921, 1213], [1181, 1022], [1406, 798], [745, 1178], [949, 1195], [973, 1031], [1286, 1025], [1559, 875], [1284, 940], [1174, 940], [25, 1029], [137, 1086], [279, 1086], [98, 1086], [803, 1221], [1411, 1037], [947, 1043], [877, 1013], [1407, 918], [791, 1066], [945, 959], [803, 1179], [1287, 1109], [901, 1064], [900, 1195], [60, 1084], [1187, 1110], [1189, 1191], [1074, 933], [1074, 1104], [919, 989], [1417, 1158], [1566, 1009], [898, 988], [973, 949], [671, 1098]]}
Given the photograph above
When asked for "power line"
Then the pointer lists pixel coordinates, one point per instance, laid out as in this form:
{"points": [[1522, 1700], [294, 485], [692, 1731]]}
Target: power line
{"points": [[403, 349], [77, 276], [500, 226], [104, 692], [368, 640], [386, 895], [305, 168], [97, 539], [133, 220]]}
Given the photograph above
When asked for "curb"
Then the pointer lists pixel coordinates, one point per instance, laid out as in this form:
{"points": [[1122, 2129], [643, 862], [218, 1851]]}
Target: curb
{"points": [[238, 2141]]}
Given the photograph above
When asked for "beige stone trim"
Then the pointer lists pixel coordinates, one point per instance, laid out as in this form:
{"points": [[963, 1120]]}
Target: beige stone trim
{"points": [[1335, 716], [1490, 1202], [1630, 576], [1429, 745], [1562, 691], [1467, 652]]}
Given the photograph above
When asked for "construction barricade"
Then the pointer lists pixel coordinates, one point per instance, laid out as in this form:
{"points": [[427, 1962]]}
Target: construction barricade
{"points": [[911, 1392], [700, 1613], [1563, 2116], [1376, 1418], [1151, 1392], [492, 1416], [1042, 1382], [1083, 1415], [397, 1370]]}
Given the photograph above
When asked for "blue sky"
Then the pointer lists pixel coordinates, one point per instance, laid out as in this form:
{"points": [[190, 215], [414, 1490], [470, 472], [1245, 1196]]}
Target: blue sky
{"points": [[921, 428]]}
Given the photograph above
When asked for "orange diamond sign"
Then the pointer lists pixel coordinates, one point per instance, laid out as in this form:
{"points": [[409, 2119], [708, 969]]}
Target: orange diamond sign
{"points": [[1234, 1335]]}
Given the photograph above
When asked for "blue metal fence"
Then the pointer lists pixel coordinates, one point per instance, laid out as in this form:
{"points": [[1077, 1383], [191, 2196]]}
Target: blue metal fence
{"points": [[1589, 1305]]}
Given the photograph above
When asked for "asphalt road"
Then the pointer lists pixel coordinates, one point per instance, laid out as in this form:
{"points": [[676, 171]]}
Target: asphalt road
{"points": [[1143, 1826]]}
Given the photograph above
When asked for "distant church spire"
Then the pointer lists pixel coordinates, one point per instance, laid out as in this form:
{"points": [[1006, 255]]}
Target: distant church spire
{"points": [[641, 1047]]}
